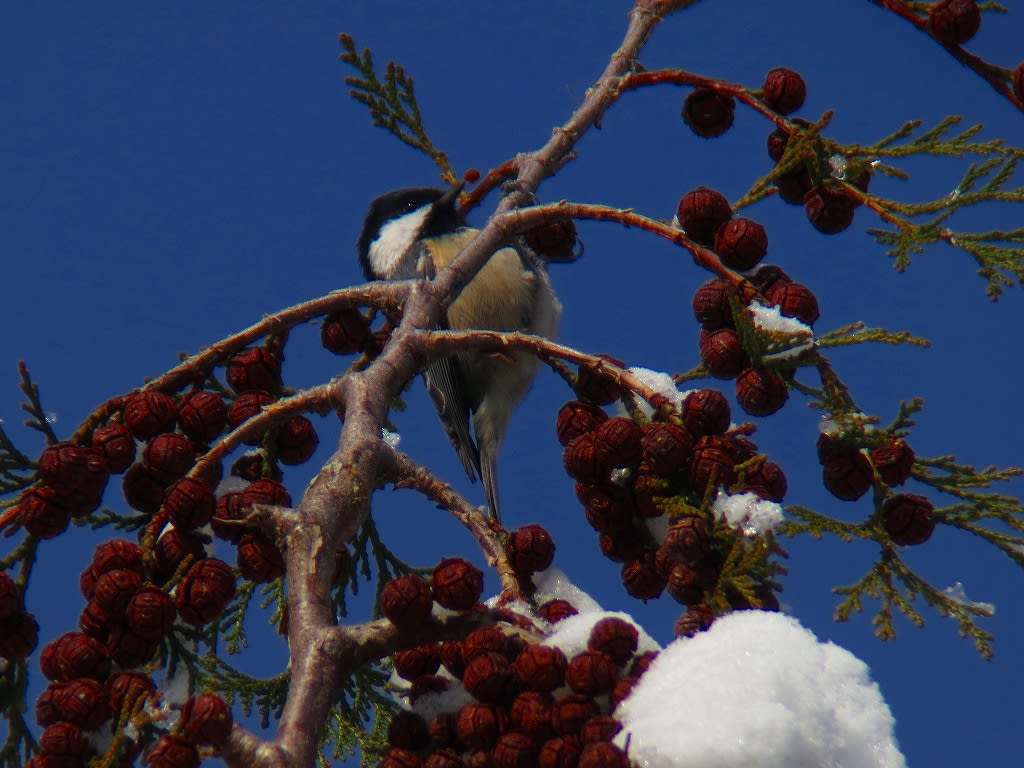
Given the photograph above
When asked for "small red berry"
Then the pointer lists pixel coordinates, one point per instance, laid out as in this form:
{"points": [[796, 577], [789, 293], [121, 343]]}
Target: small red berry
{"points": [[706, 412], [206, 719], [408, 730], [606, 510], [683, 584], [575, 419], [686, 541], [581, 460], [829, 210], [19, 635], [722, 353], [715, 457], [615, 637], [115, 588], [230, 509], [617, 443], [63, 745], [603, 754], [530, 712], [846, 472], [554, 241], [259, 559], [246, 406], [83, 702], [697, 618], [555, 610], [479, 726], [43, 512], [591, 673], [741, 243], [296, 441], [345, 332], [767, 480], [641, 580], [531, 549], [204, 591], [541, 668], [67, 469], [250, 466], [600, 728], [457, 584], [202, 415], [909, 519], [418, 661], [515, 750], [452, 658], [95, 621], [172, 751], [487, 640], [761, 391], [597, 387], [665, 448], [954, 22], [116, 553], [172, 548], [189, 503], [406, 601], [151, 613], [144, 488], [784, 90], [149, 413], [711, 305], [72, 655], [708, 113], [130, 687], [642, 663], [559, 752], [794, 300], [768, 276], [701, 212], [893, 461], [255, 368], [116, 444], [487, 677], [570, 712]]}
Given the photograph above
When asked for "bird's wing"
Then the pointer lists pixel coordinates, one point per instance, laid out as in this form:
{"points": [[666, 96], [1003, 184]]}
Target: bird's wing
{"points": [[445, 389], [447, 392]]}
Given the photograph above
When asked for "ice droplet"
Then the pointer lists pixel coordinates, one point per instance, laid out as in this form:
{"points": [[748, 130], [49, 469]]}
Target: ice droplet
{"points": [[392, 439], [838, 165], [959, 595], [51, 417]]}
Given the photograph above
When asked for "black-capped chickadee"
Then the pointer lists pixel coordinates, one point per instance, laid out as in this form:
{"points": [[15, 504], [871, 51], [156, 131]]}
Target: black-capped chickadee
{"points": [[416, 232]]}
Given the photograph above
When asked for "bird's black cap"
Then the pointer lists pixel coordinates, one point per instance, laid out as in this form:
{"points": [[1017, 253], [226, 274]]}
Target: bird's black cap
{"points": [[444, 215]]}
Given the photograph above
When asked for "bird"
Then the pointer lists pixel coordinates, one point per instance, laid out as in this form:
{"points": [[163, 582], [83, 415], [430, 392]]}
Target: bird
{"points": [[415, 232]]}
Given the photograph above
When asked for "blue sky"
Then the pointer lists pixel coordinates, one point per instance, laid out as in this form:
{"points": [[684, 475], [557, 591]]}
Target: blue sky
{"points": [[171, 173]]}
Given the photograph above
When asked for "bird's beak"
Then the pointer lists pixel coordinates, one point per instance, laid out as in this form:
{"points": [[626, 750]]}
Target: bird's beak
{"points": [[450, 198]]}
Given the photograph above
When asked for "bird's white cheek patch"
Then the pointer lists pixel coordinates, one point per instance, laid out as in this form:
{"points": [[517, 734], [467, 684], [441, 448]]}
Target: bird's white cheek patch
{"points": [[393, 243]]}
